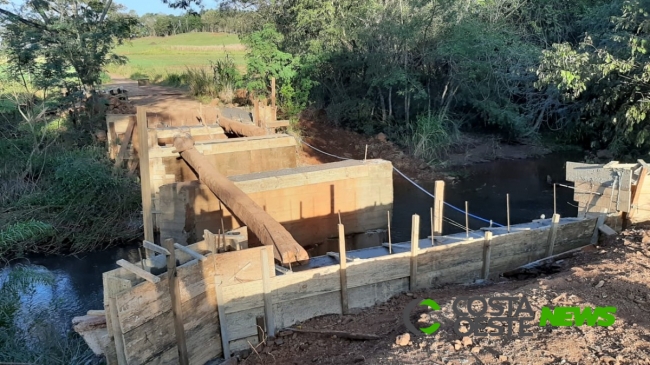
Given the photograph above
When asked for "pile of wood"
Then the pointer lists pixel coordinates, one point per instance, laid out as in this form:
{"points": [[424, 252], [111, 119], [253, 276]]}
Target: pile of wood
{"points": [[119, 105]]}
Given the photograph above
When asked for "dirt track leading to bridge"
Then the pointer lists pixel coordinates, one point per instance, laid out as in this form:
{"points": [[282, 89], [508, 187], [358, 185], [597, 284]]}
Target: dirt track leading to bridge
{"points": [[170, 106], [615, 274]]}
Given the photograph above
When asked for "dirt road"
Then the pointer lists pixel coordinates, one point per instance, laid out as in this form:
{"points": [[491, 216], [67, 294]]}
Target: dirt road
{"points": [[615, 274]]}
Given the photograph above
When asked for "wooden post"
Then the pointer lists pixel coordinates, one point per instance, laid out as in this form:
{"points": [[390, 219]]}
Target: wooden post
{"points": [[365, 156], [225, 338], [599, 222], [343, 267], [211, 240], [390, 242], [125, 143], [438, 205], [175, 293], [637, 193], [273, 92], [433, 242], [112, 287], [554, 199], [508, 210], [552, 234], [145, 177], [487, 252], [268, 298], [415, 246], [261, 328], [466, 220]]}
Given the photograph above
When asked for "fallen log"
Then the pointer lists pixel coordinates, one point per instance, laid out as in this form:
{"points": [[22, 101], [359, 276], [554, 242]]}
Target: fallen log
{"points": [[240, 129], [268, 230], [339, 334]]}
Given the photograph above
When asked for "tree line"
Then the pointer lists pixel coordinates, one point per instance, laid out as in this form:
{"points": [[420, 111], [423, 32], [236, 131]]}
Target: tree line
{"points": [[213, 20]]}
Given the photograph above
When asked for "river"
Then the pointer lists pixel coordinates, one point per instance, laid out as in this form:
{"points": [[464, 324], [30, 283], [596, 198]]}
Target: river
{"points": [[78, 279]]}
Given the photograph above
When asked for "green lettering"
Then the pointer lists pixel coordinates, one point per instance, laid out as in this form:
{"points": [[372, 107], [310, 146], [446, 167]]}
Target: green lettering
{"points": [[587, 314], [559, 317], [607, 315]]}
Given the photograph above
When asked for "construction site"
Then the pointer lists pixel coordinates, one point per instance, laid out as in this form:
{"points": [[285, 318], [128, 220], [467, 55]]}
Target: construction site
{"points": [[228, 214]]}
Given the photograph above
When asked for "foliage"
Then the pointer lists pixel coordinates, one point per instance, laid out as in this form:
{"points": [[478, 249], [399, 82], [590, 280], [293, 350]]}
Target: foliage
{"points": [[62, 43], [265, 61], [431, 136], [606, 78]]}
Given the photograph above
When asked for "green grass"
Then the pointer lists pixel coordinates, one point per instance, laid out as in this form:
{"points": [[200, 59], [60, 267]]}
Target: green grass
{"points": [[164, 55]]}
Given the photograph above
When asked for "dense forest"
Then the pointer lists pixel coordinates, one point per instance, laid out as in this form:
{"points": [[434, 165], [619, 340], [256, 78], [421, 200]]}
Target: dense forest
{"points": [[421, 70]]}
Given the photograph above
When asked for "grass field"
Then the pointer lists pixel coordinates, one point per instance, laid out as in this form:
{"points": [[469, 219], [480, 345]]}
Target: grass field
{"points": [[159, 56]]}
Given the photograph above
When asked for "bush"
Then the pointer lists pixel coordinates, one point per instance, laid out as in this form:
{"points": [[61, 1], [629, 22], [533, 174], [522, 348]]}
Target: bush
{"points": [[431, 136]]}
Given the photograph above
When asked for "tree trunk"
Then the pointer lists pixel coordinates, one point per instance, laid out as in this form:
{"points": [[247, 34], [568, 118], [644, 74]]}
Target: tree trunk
{"points": [[268, 230]]}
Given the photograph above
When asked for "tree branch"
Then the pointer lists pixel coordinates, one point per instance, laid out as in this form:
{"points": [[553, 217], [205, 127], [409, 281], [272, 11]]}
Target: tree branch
{"points": [[17, 17]]}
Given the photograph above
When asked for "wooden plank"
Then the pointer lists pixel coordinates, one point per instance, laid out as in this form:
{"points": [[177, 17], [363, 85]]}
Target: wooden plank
{"points": [[239, 266], [639, 188], [487, 253], [369, 295], [343, 263], [607, 230], [599, 222], [148, 341], [415, 246], [552, 234], [574, 235], [175, 295], [309, 283], [155, 248], [225, 340], [607, 195], [438, 207], [190, 252], [590, 173], [145, 177], [113, 285], [146, 300], [125, 142], [139, 272], [268, 297], [379, 269]]}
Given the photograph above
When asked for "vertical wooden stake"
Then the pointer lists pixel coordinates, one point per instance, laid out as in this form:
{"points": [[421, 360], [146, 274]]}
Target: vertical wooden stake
{"points": [[112, 287], [552, 235], [365, 156], [273, 92], [390, 242], [343, 263], [487, 252], [466, 220], [225, 338], [415, 246], [599, 222], [554, 199], [268, 298], [508, 210], [261, 328], [145, 177], [175, 293], [433, 242], [211, 240], [438, 205]]}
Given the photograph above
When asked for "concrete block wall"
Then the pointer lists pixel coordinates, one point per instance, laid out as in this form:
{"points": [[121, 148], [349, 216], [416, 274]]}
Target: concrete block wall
{"points": [[305, 200]]}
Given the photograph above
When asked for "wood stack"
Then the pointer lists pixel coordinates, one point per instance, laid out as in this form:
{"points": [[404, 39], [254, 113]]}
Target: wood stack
{"points": [[119, 105], [616, 189]]}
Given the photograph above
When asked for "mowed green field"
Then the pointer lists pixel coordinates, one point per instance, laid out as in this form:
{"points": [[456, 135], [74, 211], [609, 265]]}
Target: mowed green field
{"points": [[159, 56]]}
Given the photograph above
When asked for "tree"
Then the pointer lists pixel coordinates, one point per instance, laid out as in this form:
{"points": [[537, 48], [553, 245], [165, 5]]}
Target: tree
{"points": [[606, 78], [63, 42]]}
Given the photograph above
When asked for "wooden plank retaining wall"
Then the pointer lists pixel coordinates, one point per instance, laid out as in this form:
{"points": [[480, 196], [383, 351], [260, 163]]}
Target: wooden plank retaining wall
{"points": [[140, 320]]}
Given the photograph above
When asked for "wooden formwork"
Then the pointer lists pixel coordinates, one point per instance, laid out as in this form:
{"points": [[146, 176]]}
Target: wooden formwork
{"points": [[617, 190], [223, 296]]}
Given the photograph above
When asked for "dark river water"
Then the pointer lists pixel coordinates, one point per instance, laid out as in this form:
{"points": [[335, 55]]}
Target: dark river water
{"points": [[78, 278]]}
